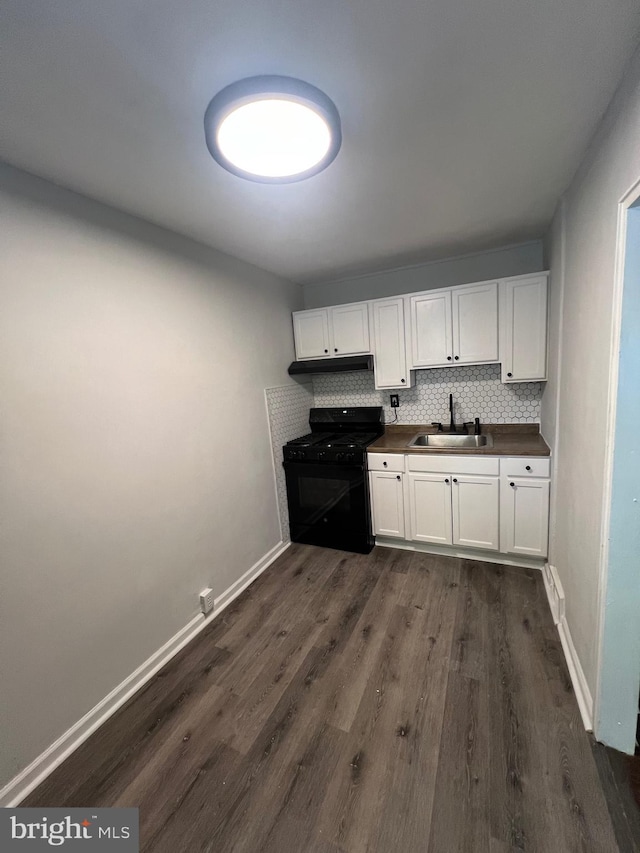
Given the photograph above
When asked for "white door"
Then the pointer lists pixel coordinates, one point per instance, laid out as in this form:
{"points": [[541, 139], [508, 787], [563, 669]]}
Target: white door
{"points": [[430, 508], [390, 360], [476, 509], [350, 324], [524, 516], [311, 333], [475, 323], [431, 339], [387, 503], [524, 329]]}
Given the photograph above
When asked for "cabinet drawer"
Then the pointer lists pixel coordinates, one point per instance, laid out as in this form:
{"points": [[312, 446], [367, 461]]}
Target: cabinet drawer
{"points": [[385, 461], [532, 466], [453, 464]]}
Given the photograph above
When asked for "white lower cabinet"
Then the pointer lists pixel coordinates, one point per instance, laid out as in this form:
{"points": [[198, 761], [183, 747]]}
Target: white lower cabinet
{"points": [[387, 503], [479, 503], [430, 518], [524, 516], [476, 508]]}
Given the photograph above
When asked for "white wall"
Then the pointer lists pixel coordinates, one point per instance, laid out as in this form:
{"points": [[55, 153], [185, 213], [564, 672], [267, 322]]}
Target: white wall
{"points": [[136, 465], [581, 250], [498, 263]]}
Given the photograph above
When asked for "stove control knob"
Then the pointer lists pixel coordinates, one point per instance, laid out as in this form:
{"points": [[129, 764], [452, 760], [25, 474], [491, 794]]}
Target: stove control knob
{"points": [[349, 457], [321, 454], [340, 457]]}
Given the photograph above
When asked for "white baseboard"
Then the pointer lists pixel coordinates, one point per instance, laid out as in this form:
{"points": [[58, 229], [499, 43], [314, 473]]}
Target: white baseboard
{"points": [[248, 577], [465, 553], [35, 773], [555, 595], [555, 592]]}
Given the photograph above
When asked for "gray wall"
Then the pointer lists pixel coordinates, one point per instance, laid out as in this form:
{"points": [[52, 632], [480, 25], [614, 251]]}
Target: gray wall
{"points": [[510, 260], [581, 250], [136, 465]]}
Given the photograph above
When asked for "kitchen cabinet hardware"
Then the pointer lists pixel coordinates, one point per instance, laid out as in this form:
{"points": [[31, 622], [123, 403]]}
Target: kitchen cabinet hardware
{"points": [[513, 485]]}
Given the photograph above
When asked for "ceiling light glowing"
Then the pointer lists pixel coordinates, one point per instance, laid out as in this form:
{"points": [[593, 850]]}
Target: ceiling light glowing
{"points": [[272, 129]]}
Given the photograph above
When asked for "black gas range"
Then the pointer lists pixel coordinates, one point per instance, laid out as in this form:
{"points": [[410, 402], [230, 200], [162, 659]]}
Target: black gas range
{"points": [[326, 474]]}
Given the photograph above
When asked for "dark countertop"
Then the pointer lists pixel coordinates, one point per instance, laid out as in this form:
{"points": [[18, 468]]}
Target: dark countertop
{"points": [[508, 440]]}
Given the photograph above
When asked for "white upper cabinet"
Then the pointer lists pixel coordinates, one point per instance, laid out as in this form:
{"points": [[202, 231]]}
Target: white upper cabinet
{"points": [[523, 333], [328, 332], [311, 333], [455, 326], [431, 329], [493, 321], [350, 327], [475, 323], [390, 358]]}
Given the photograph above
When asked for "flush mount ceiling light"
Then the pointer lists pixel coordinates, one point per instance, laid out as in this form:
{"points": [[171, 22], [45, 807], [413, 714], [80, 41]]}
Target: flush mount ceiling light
{"points": [[272, 129]]}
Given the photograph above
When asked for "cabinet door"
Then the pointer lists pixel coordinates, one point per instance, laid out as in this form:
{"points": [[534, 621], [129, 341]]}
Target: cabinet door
{"points": [[430, 508], [523, 347], [390, 360], [475, 323], [387, 504], [476, 511], [311, 333], [350, 325], [431, 340], [524, 516]]}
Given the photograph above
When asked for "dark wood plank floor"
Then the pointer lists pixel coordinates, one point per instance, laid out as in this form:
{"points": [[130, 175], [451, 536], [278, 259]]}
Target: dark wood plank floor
{"points": [[620, 779], [389, 703]]}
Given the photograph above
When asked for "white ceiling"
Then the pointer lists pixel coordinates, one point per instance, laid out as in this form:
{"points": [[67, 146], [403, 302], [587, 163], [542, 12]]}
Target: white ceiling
{"points": [[463, 120]]}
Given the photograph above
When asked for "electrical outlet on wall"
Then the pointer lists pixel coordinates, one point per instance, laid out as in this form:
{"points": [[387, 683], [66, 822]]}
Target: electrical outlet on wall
{"points": [[395, 401], [206, 600]]}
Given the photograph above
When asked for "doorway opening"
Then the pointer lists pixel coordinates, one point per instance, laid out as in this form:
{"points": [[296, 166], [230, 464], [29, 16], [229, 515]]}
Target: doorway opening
{"points": [[617, 710]]}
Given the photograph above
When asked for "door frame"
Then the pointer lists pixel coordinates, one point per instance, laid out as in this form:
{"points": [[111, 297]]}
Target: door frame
{"points": [[607, 727]]}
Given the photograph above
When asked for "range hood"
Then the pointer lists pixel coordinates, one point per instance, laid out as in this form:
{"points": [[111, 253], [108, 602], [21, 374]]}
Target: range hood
{"points": [[332, 365]]}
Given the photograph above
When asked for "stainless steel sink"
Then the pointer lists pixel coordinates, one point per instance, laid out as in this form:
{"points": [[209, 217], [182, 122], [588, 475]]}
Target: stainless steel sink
{"points": [[439, 439]]}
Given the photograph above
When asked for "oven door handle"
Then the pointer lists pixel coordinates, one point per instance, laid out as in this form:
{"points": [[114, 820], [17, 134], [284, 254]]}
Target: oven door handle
{"points": [[338, 466]]}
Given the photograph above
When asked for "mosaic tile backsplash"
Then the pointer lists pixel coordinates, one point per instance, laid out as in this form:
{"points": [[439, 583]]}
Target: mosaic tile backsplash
{"points": [[288, 409], [477, 393]]}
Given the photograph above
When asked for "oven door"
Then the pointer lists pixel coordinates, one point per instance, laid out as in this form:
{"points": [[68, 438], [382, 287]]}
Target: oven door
{"points": [[329, 505]]}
